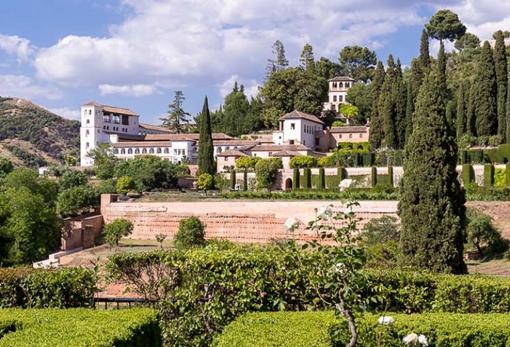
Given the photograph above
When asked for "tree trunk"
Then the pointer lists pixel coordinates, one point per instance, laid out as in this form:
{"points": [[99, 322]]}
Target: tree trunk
{"points": [[350, 321]]}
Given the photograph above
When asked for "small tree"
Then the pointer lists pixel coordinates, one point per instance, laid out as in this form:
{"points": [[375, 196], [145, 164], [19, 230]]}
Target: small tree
{"points": [[5, 167], [191, 233], [266, 171], [482, 234], [160, 238], [124, 184], [76, 200], [205, 182], [72, 178], [322, 178], [348, 111], [177, 118], [302, 161], [116, 230]]}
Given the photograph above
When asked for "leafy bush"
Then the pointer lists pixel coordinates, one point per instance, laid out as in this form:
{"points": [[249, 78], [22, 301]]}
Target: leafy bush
{"points": [[29, 159], [380, 230], [190, 234], [247, 162], [149, 172], [31, 288], [482, 235], [106, 187], [80, 327], [205, 182], [266, 171], [384, 193], [75, 200], [5, 167], [124, 184], [302, 161], [71, 179], [488, 175], [116, 230]]}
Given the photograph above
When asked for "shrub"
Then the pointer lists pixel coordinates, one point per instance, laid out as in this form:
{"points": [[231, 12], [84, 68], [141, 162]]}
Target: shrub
{"points": [[482, 235], [488, 175], [191, 233], [205, 182], [390, 176], [75, 200], [106, 187], [233, 179], [149, 172], [266, 171], [302, 161], [380, 230], [5, 167], [499, 177], [71, 179], [507, 175], [124, 184], [307, 178], [116, 230], [50, 327], [31, 288], [322, 179], [468, 174], [295, 179], [247, 163], [373, 176]]}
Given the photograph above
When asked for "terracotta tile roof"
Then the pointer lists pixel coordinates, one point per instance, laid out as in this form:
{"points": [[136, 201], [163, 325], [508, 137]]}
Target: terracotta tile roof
{"points": [[235, 142], [286, 154], [112, 109], [184, 137], [301, 115], [154, 127], [349, 129], [341, 78], [127, 137], [278, 148], [142, 144], [232, 153]]}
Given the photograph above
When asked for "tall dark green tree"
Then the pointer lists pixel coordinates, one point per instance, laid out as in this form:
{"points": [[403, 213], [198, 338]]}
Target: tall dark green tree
{"points": [[235, 112], [409, 109], [205, 144], [461, 111], [307, 60], [177, 118], [387, 106], [279, 61], [485, 94], [501, 69], [471, 109], [399, 94], [418, 72], [327, 69], [441, 67], [424, 50], [508, 112], [376, 134], [432, 201], [358, 62]]}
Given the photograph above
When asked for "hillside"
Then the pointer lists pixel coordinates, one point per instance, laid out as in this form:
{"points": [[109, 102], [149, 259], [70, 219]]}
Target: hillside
{"points": [[33, 136]]}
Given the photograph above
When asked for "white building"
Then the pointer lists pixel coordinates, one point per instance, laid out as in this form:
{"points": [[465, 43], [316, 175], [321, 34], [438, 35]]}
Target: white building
{"points": [[298, 128], [98, 122], [337, 94]]}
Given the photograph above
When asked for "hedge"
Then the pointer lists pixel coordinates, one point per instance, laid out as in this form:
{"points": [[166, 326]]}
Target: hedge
{"points": [[324, 329], [299, 329], [373, 176], [488, 175], [468, 174], [79, 327], [380, 193], [26, 287]]}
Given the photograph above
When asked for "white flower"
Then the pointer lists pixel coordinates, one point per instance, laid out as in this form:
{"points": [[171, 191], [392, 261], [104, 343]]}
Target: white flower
{"points": [[423, 340], [339, 268], [324, 212], [291, 224], [410, 339], [386, 320]]}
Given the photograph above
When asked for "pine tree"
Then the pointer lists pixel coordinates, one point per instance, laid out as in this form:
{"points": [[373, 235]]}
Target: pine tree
{"points": [[205, 144], [461, 112], [387, 106], [376, 124], [279, 62], [235, 112], [307, 60], [177, 117], [424, 50], [432, 201], [485, 101], [501, 69]]}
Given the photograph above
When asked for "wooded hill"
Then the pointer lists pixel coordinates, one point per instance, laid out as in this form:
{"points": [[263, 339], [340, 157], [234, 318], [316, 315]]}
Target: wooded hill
{"points": [[33, 136]]}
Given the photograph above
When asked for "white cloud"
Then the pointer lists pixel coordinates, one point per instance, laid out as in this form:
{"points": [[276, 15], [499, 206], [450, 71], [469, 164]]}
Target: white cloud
{"points": [[250, 86], [66, 112], [18, 46], [25, 87], [194, 42], [135, 90]]}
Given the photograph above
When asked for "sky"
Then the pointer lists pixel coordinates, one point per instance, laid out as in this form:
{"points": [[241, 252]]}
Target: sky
{"points": [[136, 53]]}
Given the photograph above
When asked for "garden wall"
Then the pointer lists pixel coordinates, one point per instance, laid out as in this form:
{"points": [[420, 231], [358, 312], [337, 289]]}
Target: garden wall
{"points": [[235, 220]]}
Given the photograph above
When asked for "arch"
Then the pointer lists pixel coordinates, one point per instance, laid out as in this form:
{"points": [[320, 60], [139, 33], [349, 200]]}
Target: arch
{"points": [[288, 184]]}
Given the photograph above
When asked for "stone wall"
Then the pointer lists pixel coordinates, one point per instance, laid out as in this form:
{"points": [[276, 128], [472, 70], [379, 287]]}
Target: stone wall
{"points": [[243, 221], [81, 232]]}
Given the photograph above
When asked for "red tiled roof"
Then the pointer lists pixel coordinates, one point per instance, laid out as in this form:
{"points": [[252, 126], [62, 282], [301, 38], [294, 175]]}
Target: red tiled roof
{"points": [[112, 109], [349, 129], [277, 148], [232, 153], [301, 115], [341, 78], [154, 127]]}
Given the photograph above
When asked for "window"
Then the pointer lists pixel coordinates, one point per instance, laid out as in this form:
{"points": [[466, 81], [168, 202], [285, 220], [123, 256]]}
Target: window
{"points": [[340, 136], [87, 121], [334, 84], [130, 151], [90, 112], [350, 136], [151, 151], [360, 136], [158, 150], [334, 98], [144, 151], [292, 126], [125, 120], [166, 150], [115, 151], [347, 84], [317, 141], [122, 151], [87, 132], [340, 98], [87, 145], [137, 151], [341, 84]]}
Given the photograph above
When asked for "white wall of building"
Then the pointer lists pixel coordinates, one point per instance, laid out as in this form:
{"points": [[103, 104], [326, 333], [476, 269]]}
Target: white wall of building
{"points": [[301, 131]]}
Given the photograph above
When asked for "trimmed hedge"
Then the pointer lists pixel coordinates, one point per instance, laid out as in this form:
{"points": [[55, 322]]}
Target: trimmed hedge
{"points": [[373, 176], [488, 175], [353, 193], [307, 178], [468, 174], [322, 179], [31, 288], [79, 327], [297, 329], [324, 329]]}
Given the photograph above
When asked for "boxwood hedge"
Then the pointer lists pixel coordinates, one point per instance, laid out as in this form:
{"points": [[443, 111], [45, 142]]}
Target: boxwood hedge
{"points": [[79, 327], [324, 329]]}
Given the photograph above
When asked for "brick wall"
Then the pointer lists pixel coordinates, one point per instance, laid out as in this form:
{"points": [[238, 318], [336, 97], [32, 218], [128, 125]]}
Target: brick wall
{"points": [[81, 231], [238, 221]]}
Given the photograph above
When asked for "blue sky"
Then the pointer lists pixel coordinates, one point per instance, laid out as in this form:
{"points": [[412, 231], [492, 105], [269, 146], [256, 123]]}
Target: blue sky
{"points": [[135, 53]]}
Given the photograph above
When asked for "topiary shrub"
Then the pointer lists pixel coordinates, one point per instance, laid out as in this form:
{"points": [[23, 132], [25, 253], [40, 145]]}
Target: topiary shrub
{"points": [[233, 180], [322, 179], [245, 180], [191, 233], [390, 176], [302, 161], [468, 174], [488, 175], [373, 176], [295, 179], [507, 175], [307, 178], [341, 172], [205, 182], [116, 230]]}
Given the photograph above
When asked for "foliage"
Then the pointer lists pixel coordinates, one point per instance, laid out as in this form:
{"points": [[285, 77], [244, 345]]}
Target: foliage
{"points": [[266, 171], [116, 230], [431, 205], [302, 161], [445, 25], [381, 230], [71, 179], [32, 288], [106, 187], [73, 201], [149, 172], [124, 184], [484, 108], [205, 182], [50, 327], [191, 233], [333, 194], [247, 163], [104, 161], [467, 41], [26, 178], [348, 111], [361, 96], [206, 149], [501, 71], [358, 62], [5, 167], [299, 329], [376, 118], [177, 118], [488, 175], [482, 235]]}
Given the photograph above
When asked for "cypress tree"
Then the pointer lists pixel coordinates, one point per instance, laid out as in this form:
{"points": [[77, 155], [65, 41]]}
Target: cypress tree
{"points": [[441, 66], [322, 178], [387, 106], [424, 50], [461, 112], [399, 95], [414, 84], [470, 109], [485, 98], [295, 179], [451, 107], [205, 145], [409, 110], [376, 125], [501, 69], [508, 112], [432, 201]]}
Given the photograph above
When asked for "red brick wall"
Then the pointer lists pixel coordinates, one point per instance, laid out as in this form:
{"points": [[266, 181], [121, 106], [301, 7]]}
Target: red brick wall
{"points": [[239, 221]]}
